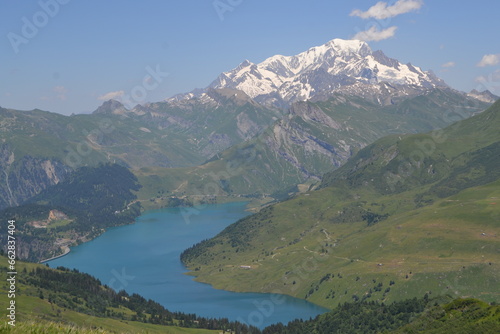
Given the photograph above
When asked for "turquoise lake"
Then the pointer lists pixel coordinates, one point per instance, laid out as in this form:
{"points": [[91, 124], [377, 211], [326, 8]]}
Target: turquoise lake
{"points": [[143, 258]]}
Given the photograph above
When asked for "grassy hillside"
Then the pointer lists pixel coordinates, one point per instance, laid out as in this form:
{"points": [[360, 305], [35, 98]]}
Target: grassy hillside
{"points": [[80, 140], [398, 163], [376, 231], [97, 327], [159, 134]]}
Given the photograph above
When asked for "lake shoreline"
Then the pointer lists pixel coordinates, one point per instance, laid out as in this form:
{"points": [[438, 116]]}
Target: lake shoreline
{"points": [[65, 252]]}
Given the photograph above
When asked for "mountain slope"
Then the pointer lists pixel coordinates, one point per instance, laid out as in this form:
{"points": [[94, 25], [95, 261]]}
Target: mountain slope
{"points": [[312, 139], [400, 162], [381, 228], [459, 316], [39, 149], [209, 123]]}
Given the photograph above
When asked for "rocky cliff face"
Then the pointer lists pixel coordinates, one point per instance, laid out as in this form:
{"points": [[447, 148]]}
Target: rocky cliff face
{"points": [[26, 176], [307, 140]]}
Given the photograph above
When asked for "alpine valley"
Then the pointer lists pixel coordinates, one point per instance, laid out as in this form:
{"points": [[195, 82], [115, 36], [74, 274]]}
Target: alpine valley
{"points": [[372, 182]]}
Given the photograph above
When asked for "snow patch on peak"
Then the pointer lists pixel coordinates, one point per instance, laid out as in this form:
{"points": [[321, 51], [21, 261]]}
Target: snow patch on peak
{"points": [[246, 63], [346, 46]]}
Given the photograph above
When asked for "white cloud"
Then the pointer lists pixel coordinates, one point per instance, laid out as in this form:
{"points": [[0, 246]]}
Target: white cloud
{"points": [[61, 92], [381, 10], [449, 64], [489, 60], [489, 82], [373, 34], [111, 95], [60, 89], [492, 77]]}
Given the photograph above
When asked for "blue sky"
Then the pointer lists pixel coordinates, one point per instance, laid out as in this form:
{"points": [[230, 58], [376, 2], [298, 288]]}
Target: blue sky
{"points": [[65, 56]]}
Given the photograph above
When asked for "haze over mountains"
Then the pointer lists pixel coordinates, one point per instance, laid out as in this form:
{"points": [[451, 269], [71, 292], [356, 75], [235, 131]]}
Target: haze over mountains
{"points": [[356, 96]]}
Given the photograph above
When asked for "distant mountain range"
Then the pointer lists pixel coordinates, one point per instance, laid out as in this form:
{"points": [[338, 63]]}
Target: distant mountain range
{"points": [[301, 116], [485, 96], [312, 138]]}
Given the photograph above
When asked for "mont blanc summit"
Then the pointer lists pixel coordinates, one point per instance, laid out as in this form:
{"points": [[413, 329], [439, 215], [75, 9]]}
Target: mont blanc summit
{"points": [[348, 66]]}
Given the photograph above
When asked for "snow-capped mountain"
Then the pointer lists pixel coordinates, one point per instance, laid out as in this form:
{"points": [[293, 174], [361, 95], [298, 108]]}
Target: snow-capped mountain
{"points": [[348, 66]]}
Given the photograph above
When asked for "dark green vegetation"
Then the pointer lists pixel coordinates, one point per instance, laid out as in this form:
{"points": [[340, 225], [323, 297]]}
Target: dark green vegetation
{"points": [[409, 316], [460, 316], [73, 298], [407, 215], [93, 198], [362, 317]]}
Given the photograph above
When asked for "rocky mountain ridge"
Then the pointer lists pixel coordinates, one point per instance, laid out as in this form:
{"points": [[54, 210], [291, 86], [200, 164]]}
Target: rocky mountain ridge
{"points": [[209, 123], [485, 96]]}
